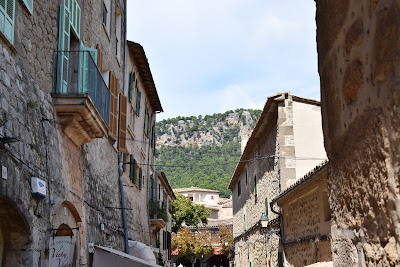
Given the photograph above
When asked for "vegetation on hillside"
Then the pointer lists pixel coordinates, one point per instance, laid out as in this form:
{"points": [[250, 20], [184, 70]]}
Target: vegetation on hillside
{"points": [[203, 151]]}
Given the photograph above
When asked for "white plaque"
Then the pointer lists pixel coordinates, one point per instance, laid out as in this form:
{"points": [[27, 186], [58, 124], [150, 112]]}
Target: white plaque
{"points": [[61, 251]]}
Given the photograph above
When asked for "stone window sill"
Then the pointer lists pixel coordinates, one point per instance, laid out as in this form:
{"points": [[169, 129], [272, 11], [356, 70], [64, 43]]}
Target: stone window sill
{"points": [[8, 43]]}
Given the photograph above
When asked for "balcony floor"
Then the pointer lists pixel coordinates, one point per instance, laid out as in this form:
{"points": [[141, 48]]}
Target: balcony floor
{"points": [[79, 118]]}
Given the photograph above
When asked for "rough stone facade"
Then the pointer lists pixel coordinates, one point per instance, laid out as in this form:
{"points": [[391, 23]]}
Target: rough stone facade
{"points": [[358, 59], [306, 219], [267, 166], [82, 181]]}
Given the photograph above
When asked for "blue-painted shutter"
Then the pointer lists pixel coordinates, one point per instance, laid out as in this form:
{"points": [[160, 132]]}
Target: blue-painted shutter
{"points": [[29, 5], [75, 18], [63, 48], [89, 54], [7, 12]]}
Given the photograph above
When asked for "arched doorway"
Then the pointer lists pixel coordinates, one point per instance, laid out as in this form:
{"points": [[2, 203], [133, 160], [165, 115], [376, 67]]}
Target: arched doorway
{"points": [[66, 229], [218, 261], [15, 235]]}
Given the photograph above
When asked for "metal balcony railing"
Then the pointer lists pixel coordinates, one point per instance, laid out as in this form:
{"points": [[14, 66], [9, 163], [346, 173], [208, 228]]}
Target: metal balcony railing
{"points": [[76, 73], [157, 210]]}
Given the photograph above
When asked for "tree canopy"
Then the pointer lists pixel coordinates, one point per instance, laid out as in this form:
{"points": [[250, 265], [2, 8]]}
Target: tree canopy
{"points": [[186, 212]]}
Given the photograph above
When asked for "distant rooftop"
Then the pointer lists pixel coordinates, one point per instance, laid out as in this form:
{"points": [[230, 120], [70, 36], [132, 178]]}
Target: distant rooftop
{"points": [[194, 189]]}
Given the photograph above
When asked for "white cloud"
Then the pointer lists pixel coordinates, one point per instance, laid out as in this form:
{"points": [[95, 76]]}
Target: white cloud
{"points": [[207, 56]]}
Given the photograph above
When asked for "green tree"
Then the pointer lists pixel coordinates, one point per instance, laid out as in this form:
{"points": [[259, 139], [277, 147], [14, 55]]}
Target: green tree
{"points": [[184, 211]]}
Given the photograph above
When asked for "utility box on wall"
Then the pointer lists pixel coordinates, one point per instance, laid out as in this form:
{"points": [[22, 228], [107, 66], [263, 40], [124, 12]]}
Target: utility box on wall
{"points": [[38, 187]]}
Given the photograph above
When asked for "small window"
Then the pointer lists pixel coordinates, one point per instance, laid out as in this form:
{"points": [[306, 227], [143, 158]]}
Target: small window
{"points": [[255, 184], [246, 175], [212, 197], [239, 189], [266, 207], [105, 13], [244, 222]]}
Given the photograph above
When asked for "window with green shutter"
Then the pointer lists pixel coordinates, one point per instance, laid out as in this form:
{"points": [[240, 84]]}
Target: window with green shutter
{"points": [[130, 87], [7, 13], [255, 184], [132, 170], [239, 188], [246, 176], [140, 178], [145, 119], [266, 207], [138, 97], [29, 5]]}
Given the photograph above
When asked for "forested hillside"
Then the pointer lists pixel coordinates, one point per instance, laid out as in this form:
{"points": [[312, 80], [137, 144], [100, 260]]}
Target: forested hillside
{"points": [[203, 152]]}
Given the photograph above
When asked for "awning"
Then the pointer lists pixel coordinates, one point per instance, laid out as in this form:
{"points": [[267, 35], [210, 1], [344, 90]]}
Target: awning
{"points": [[105, 257]]}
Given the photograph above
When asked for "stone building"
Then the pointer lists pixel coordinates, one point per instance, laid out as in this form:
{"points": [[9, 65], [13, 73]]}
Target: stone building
{"points": [[284, 145], [358, 62], [62, 76], [161, 197], [220, 208], [306, 219]]}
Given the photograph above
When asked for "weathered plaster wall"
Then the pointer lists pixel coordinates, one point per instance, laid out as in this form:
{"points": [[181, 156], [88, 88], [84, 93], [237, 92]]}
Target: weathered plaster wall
{"points": [[308, 137], [359, 54]]}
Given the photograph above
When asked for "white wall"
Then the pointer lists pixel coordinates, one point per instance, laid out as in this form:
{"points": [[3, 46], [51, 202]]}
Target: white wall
{"points": [[308, 137]]}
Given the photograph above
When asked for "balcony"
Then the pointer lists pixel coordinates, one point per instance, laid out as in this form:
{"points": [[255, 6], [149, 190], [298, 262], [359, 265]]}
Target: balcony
{"points": [[158, 215], [80, 96]]}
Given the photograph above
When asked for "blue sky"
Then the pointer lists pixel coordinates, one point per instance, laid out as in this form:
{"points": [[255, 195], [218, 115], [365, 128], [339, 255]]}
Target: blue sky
{"points": [[211, 56]]}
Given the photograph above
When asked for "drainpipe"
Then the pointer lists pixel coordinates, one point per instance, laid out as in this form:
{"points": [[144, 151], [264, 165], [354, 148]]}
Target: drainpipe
{"points": [[121, 188], [148, 180], [120, 169]]}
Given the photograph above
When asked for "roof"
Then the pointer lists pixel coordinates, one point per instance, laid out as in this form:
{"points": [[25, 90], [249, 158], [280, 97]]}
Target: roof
{"points": [[164, 181], [302, 181], [142, 64], [195, 189], [214, 223], [270, 108]]}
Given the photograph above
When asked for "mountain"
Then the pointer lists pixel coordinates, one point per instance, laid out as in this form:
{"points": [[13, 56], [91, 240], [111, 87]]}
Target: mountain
{"points": [[203, 151]]}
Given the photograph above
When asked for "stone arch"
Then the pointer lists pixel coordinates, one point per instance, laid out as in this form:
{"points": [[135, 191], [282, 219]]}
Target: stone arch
{"points": [[67, 221], [16, 236]]}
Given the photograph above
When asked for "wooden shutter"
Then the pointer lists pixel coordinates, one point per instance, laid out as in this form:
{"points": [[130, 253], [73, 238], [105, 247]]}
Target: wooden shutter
{"points": [[140, 178], [266, 207], [112, 131], [132, 169], [63, 48], [99, 59], [123, 106], [29, 5], [7, 13], [138, 96], [75, 18], [130, 87], [145, 119]]}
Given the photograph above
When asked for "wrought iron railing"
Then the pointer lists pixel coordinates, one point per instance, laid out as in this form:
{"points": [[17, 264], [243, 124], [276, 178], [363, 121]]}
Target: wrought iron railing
{"points": [[76, 73], [157, 210]]}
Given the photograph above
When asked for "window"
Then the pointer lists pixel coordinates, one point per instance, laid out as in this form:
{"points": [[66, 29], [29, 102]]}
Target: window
{"points": [[7, 9], [255, 184], [266, 207], [212, 197], [244, 222], [246, 175], [132, 169], [138, 97], [239, 190], [140, 178], [118, 32], [106, 11], [130, 87]]}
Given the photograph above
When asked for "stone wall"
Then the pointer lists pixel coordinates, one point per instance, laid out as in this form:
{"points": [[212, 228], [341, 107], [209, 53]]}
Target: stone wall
{"points": [[359, 54], [252, 205], [81, 181]]}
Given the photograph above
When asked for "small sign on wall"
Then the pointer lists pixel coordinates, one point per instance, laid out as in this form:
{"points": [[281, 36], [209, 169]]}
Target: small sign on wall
{"points": [[4, 172], [61, 251]]}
